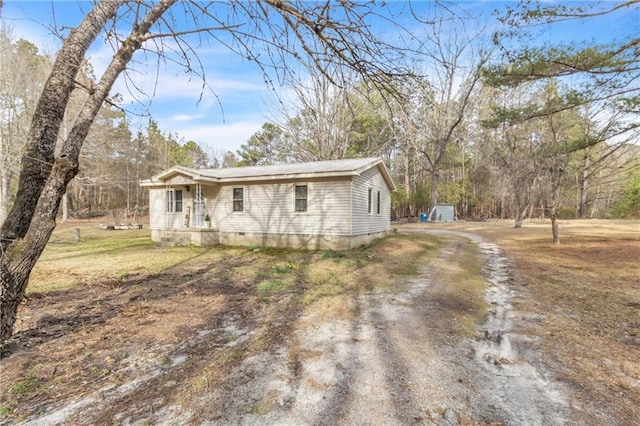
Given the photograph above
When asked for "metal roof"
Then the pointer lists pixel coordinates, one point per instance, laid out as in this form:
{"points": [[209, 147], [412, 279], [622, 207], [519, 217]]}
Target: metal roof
{"points": [[348, 165], [329, 168]]}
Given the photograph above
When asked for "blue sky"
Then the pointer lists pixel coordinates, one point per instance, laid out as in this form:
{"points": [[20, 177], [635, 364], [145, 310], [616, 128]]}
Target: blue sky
{"points": [[223, 123], [244, 102]]}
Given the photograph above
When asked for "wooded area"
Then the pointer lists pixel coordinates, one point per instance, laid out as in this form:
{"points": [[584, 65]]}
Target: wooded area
{"points": [[454, 137], [459, 114]]}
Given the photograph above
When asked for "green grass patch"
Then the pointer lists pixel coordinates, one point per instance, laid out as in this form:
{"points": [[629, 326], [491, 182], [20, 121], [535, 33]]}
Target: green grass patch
{"points": [[283, 268], [267, 288], [31, 383], [332, 254], [113, 257], [114, 254], [231, 357]]}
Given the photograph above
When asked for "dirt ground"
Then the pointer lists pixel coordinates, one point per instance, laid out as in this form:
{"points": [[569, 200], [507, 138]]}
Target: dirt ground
{"points": [[471, 324]]}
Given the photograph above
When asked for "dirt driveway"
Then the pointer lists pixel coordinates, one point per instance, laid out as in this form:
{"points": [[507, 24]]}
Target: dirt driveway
{"points": [[389, 355], [395, 364]]}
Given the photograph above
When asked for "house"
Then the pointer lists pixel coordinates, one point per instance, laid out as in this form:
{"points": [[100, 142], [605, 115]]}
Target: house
{"points": [[336, 204]]}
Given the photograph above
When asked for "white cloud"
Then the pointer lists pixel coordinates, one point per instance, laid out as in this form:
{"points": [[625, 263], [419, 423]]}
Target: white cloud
{"points": [[227, 137], [146, 78], [168, 85], [185, 117]]}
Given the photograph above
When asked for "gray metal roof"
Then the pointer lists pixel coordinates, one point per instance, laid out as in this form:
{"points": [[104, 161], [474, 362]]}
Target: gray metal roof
{"points": [[329, 168]]}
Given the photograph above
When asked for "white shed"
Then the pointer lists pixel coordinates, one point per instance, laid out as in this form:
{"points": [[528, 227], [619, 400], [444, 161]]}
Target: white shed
{"points": [[442, 213], [317, 205]]}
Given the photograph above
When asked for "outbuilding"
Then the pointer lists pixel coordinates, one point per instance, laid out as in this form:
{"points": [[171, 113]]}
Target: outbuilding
{"points": [[442, 213], [336, 204]]}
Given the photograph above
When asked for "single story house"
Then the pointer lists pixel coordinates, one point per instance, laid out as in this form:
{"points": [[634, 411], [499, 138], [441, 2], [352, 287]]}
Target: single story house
{"points": [[336, 204]]}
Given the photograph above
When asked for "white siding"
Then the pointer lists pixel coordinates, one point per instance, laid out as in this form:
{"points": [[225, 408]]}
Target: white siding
{"points": [[363, 221], [158, 215], [179, 180], [211, 204], [270, 208], [156, 208]]}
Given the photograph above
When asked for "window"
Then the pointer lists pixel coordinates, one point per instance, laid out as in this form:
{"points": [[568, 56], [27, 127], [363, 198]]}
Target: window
{"points": [[178, 195], [301, 198], [174, 200], [378, 203], [170, 200], [238, 199], [369, 201]]}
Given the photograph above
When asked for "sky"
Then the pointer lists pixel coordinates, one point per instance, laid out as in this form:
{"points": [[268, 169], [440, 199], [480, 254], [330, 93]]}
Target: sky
{"points": [[237, 101], [220, 118]]}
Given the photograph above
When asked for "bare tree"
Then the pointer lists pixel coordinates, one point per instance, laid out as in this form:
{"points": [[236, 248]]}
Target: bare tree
{"points": [[318, 120], [603, 76], [331, 35], [23, 72], [454, 58], [608, 132]]}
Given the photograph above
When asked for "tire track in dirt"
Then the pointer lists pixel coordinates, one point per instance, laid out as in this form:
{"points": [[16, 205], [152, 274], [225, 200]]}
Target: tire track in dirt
{"points": [[520, 392], [388, 364], [391, 362]]}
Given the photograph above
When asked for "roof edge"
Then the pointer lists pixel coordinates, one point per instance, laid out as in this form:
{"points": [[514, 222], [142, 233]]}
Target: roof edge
{"points": [[202, 176]]}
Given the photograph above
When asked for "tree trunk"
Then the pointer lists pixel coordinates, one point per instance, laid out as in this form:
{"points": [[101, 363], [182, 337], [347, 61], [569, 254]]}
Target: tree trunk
{"points": [[47, 118], [556, 175], [4, 194], [407, 182], [4, 179], [23, 234], [521, 208], [34, 220], [521, 214], [584, 187], [433, 190], [554, 224]]}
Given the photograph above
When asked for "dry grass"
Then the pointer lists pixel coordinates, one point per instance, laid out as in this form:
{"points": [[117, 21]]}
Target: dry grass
{"points": [[587, 293], [116, 302]]}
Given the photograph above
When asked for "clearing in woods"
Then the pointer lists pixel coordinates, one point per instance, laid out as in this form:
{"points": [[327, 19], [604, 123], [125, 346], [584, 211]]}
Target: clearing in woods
{"points": [[465, 323]]}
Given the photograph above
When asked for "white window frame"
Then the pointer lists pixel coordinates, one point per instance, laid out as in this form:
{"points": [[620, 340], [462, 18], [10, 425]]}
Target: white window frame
{"points": [[295, 198], [233, 198], [172, 200], [169, 200], [370, 201]]}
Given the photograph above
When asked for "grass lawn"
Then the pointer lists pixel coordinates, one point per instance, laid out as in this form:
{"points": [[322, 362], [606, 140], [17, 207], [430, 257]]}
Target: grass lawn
{"points": [[114, 300], [582, 301]]}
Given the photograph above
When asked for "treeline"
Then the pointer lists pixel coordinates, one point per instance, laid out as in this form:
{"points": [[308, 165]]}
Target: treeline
{"points": [[456, 135], [114, 158], [489, 164]]}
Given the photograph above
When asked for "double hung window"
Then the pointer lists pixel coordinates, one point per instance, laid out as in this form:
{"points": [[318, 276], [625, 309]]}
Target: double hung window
{"points": [[238, 199], [174, 200], [301, 198]]}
